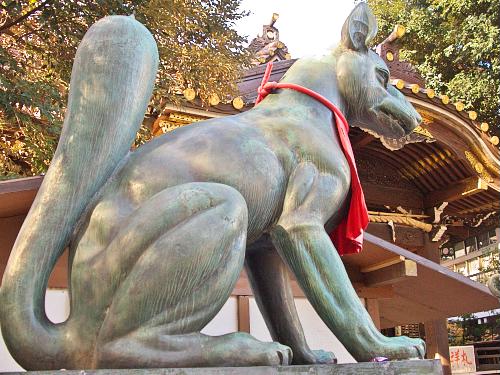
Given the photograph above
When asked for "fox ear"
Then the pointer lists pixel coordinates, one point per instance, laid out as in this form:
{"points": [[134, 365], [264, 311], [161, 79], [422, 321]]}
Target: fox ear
{"points": [[359, 28]]}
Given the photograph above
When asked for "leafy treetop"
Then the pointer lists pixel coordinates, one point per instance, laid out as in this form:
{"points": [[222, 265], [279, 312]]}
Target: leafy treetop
{"points": [[454, 45], [198, 46]]}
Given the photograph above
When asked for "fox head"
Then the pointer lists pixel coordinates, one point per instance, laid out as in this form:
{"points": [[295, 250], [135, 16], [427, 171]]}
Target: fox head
{"points": [[363, 80]]}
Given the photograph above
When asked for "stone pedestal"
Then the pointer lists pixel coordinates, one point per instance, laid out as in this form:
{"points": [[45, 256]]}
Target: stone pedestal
{"points": [[384, 368]]}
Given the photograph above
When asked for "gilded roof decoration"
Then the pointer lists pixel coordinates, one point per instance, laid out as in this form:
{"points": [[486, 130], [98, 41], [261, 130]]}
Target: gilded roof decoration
{"points": [[478, 167], [268, 47]]}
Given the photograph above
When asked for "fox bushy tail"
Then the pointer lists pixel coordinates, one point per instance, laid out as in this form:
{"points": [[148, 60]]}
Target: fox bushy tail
{"points": [[111, 84]]}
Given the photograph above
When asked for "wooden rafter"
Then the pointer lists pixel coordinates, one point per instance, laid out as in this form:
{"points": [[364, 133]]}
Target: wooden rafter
{"points": [[362, 141], [490, 206], [455, 191], [381, 195], [391, 274]]}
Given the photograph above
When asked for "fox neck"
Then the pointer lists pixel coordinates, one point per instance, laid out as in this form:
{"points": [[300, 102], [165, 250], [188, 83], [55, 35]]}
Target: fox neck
{"points": [[317, 74]]}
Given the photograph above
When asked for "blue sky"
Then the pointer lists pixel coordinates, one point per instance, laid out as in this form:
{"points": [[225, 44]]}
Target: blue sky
{"points": [[306, 27]]}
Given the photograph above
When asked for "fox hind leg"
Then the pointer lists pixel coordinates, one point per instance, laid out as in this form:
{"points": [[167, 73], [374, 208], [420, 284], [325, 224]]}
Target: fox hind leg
{"points": [[178, 284]]}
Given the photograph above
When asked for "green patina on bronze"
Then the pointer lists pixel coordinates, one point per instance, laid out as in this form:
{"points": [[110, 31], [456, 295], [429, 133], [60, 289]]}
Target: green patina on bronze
{"points": [[158, 236], [494, 285]]}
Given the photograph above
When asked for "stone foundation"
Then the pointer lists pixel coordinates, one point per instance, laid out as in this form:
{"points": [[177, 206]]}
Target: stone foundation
{"points": [[384, 368]]}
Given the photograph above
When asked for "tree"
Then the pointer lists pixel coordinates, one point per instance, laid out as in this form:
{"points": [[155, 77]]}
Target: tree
{"points": [[198, 46], [454, 45], [197, 43]]}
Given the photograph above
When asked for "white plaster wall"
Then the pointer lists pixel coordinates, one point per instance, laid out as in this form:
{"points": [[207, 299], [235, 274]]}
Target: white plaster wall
{"points": [[226, 321], [317, 334], [7, 363]]}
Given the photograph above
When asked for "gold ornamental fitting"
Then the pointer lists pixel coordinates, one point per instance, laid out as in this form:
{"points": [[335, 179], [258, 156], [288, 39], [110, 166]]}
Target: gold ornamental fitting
{"points": [[415, 88], [389, 56], [238, 102], [459, 106], [399, 30], [484, 126], [280, 45], [472, 115], [400, 84], [479, 167], [494, 140], [445, 99], [288, 56], [214, 99], [430, 93], [189, 93]]}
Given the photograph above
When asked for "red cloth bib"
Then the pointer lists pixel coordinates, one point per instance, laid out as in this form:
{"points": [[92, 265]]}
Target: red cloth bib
{"points": [[348, 236]]}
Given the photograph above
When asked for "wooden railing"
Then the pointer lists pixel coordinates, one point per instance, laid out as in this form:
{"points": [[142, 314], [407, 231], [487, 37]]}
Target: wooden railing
{"points": [[487, 355]]}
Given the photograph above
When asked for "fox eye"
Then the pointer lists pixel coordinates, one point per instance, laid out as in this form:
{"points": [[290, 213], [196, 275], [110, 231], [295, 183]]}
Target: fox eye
{"points": [[383, 76]]}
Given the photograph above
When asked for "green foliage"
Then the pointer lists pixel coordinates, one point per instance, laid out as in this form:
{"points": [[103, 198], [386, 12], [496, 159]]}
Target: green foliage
{"points": [[465, 330], [197, 44], [38, 40], [454, 45]]}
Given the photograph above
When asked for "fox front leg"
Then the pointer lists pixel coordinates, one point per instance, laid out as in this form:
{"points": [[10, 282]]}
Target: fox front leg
{"points": [[270, 282], [301, 240]]}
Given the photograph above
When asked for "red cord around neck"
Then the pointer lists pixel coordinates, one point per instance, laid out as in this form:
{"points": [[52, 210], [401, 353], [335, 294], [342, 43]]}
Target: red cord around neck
{"points": [[348, 236], [266, 88]]}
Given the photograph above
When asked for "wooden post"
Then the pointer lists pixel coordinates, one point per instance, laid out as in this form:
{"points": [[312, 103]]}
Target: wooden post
{"points": [[373, 309], [244, 314], [436, 331], [436, 339]]}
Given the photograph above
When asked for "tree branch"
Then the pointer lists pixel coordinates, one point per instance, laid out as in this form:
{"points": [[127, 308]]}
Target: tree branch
{"points": [[23, 17]]}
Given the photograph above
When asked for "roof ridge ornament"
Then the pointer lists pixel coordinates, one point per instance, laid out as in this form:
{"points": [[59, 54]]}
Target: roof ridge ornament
{"points": [[267, 47]]}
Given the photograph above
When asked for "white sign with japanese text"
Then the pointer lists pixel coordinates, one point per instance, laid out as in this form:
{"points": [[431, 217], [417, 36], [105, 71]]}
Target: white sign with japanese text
{"points": [[462, 359]]}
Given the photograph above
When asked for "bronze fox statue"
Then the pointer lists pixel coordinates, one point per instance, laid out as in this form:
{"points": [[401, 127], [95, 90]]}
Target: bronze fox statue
{"points": [[158, 236]]}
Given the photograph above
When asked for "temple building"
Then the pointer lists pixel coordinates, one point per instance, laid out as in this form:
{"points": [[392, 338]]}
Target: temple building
{"points": [[433, 202]]}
